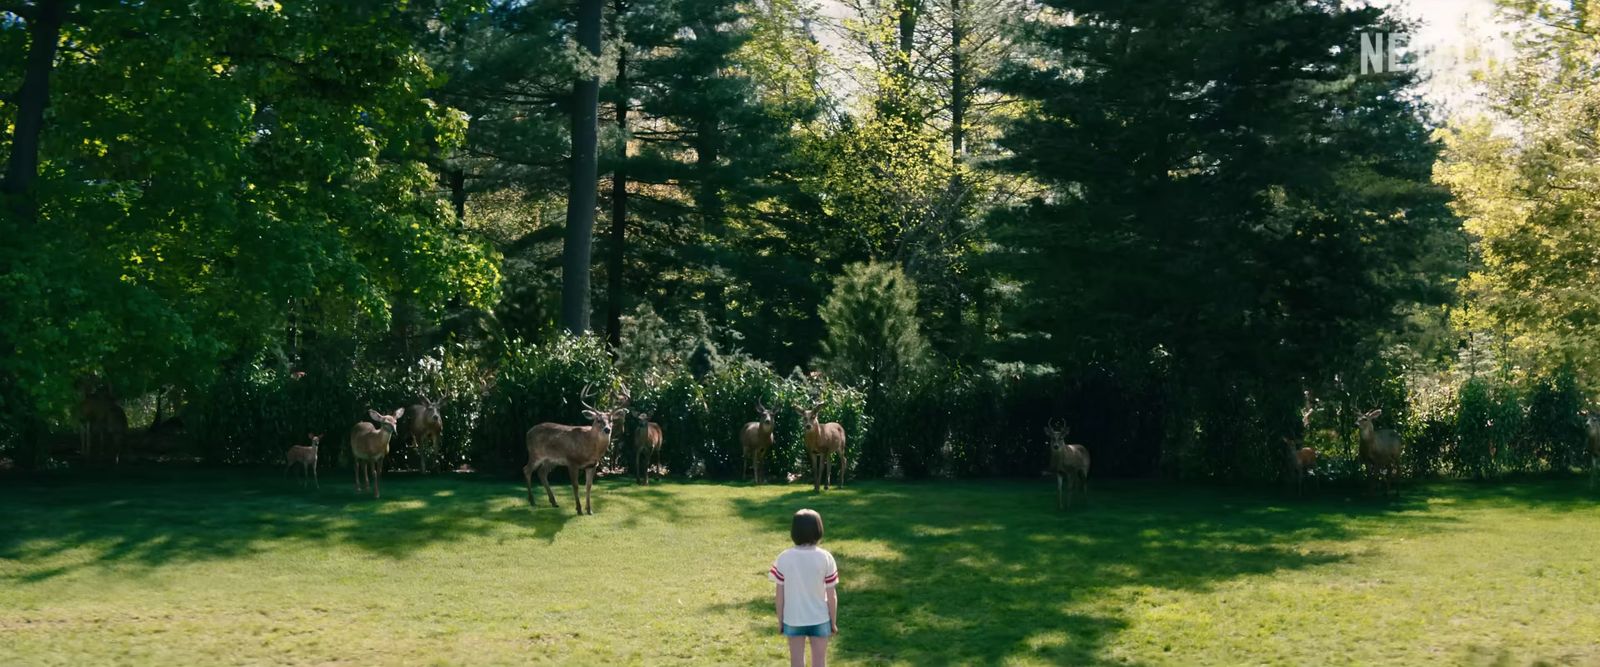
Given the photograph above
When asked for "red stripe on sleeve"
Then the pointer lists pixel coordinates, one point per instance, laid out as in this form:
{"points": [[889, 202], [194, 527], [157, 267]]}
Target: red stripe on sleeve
{"points": [[776, 573]]}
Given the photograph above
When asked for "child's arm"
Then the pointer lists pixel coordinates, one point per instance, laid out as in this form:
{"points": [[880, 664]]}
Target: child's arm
{"points": [[779, 605], [833, 608]]}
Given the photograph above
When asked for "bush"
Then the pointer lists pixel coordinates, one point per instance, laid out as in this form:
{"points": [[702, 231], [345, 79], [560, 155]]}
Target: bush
{"points": [[533, 384], [874, 335], [700, 422], [253, 412]]}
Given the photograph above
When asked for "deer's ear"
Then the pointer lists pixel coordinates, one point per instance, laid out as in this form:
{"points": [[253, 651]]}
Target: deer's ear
{"points": [[374, 415], [398, 412], [591, 415], [1049, 433], [619, 413], [1376, 413]]}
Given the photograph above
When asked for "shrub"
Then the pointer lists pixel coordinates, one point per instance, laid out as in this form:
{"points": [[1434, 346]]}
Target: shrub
{"points": [[874, 335], [532, 384]]}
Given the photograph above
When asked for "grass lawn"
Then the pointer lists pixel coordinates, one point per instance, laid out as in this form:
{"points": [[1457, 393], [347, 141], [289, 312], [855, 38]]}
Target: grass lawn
{"points": [[198, 567]]}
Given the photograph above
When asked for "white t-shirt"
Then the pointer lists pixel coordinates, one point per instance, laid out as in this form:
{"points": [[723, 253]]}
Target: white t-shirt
{"points": [[805, 573]]}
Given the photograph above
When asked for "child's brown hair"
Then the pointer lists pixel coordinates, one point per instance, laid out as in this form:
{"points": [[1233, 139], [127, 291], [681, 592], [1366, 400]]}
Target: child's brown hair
{"points": [[806, 528]]}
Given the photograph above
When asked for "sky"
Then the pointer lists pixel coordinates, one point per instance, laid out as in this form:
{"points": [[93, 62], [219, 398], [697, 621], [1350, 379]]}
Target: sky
{"points": [[1455, 37]]}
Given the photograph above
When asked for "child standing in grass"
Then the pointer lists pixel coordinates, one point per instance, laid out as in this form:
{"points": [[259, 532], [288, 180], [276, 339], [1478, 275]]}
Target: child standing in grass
{"points": [[807, 603]]}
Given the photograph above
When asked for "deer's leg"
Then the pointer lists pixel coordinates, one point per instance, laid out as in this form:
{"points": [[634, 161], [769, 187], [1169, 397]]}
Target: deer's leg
{"points": [[358, 475], [1060, 482], [544, 478], [575, 472], [843, 463], [377, 482], [527, 476], [314, 476], [588, 490], [816, 473]]}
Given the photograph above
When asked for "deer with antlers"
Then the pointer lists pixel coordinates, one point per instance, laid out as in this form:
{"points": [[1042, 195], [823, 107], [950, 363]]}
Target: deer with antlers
{"points": [[646, 445], [756, 439], [823, 440], [578, 448], [426, 428], [369, 442], [305, 456], [1069, 463], [1380, 449]]}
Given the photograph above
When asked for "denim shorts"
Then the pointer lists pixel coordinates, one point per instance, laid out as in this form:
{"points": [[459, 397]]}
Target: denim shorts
{"points": [[818, 630]]}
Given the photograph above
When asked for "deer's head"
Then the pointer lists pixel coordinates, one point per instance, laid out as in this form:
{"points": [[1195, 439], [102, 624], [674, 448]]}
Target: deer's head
{"points": [[643, 418], [386, 422], [601, 420], [1591, 421], [808, 416], [1057, 431], [766, 415], [1364, 422], [315, 438]]}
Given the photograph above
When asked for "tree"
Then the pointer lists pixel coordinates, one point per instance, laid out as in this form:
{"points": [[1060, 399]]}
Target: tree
{"points": [[1229, 205], [874, 336], [1524, 176], [706, 165], [209, 177], [579, 240]]}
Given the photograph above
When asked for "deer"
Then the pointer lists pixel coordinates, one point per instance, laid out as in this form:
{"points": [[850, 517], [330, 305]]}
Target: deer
{"points": [[756, 437], [646, 445], [1591, 427], [1069, 463], [369, 442], [306, 457], [425, 428], [1380, 449], [578, 448], [102, 422], [823, 440], [1299, 461]]}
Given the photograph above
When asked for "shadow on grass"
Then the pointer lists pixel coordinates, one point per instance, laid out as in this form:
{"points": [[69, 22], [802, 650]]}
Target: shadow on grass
{"points": [[981, 573], [153, 517]]}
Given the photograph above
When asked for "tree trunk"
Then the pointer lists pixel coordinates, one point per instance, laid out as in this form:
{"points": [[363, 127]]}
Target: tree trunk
{"points": [[958, 82], [708, 199], [458, 194], [901, 100], [908, 33], [578, 246], [619, 203], [44, 32]]}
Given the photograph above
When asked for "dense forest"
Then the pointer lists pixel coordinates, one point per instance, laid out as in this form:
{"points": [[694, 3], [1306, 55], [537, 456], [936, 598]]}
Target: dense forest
{"points": [[1189, 228]]}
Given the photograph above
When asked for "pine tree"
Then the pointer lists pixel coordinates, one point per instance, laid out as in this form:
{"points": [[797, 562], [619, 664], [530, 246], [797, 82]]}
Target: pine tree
{"points": [[1225, 197]]}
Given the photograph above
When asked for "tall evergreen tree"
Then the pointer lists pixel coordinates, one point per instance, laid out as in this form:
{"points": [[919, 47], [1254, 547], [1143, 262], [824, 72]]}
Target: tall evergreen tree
{"points": [[1226, 197]]}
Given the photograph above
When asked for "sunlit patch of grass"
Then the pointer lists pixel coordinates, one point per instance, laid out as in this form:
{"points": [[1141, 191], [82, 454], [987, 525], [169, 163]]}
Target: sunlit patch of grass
{"points": [[172, 567]]}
